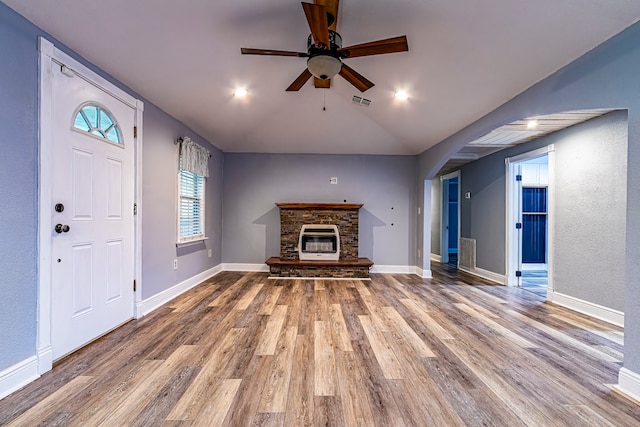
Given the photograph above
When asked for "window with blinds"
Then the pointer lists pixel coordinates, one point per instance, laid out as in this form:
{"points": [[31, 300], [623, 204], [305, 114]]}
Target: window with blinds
{"points": [[191, 207]]}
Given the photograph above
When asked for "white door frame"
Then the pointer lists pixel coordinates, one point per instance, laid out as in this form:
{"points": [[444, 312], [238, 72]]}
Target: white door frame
{"points": [[512, 246], [444, 216], [49, 54]]}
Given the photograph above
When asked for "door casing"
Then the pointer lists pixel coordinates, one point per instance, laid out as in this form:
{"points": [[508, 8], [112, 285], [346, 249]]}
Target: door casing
{"points": [[512, 244]]}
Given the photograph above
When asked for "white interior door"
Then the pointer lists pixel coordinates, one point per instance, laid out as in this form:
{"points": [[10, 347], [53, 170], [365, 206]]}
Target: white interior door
{"points": [[93, 181]]}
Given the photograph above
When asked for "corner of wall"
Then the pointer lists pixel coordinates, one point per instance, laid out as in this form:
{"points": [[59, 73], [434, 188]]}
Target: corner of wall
{"points": [[500, 279], [628, 384], [148, 305]]}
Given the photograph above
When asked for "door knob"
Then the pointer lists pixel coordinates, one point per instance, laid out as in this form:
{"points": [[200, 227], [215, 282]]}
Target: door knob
{"points": [[59, 207], [61, 228]]}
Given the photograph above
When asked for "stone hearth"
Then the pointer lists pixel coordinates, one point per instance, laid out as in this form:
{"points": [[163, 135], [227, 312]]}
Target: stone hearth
{"points": [[293, 216]]}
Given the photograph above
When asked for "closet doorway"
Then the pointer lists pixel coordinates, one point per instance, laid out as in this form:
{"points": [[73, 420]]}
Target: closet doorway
{"points": [[528, 230], [450, 220]]}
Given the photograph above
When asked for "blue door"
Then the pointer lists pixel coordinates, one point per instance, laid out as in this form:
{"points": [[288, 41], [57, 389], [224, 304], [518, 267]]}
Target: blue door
{"points": [[534, 225]]}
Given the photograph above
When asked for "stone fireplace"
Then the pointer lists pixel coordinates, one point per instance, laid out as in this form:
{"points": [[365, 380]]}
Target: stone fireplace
{"points": [[319, 217]]}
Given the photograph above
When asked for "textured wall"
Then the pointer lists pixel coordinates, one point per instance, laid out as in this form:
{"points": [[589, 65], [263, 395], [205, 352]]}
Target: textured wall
{"points": [[590, 199], [254, 183], [482, 217], [159, 207], [590, 208], [18, 188]]}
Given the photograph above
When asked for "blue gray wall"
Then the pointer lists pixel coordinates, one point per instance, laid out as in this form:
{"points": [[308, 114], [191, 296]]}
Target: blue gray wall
{"points": [[589, 208], [19, 192], [590, 205], [606, 77], [159, 202], [18, 188], [253, 183]]}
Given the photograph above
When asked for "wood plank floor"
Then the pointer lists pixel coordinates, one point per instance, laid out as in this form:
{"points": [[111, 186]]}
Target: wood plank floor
{"points": [[242, 350]]}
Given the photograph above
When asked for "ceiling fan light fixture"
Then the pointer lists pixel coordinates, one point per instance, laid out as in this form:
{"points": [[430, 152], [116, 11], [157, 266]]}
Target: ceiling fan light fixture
{"points": [[324, 66]]}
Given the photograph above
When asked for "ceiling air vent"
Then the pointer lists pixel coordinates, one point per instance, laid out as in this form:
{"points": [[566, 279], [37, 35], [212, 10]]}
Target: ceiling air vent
{"points": [[360, 100]]}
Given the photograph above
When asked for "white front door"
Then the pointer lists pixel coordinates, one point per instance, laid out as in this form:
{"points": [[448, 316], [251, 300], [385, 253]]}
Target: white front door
{"points": [[92, 212]]}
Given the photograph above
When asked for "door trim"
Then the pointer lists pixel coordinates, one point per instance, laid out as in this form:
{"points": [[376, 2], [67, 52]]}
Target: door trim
{"points": [[48, 54], [511, 243]]}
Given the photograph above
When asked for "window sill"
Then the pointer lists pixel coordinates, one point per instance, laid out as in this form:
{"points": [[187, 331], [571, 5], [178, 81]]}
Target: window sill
{"points": [[191, 242]]}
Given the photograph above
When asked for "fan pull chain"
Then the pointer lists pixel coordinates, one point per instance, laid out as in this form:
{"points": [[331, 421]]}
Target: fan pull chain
{"points": [[324, 100]]}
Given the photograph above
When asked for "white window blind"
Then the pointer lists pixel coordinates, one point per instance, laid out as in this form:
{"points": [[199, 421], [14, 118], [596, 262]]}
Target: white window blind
{"points": [[191, 206]]}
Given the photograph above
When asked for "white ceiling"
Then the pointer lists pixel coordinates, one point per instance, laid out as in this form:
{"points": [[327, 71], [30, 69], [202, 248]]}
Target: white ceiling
{"points": [[465, 59], [516, 133]]}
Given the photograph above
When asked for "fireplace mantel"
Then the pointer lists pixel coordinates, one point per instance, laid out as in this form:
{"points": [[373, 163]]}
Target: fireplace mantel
{"points": [[332, 206]]}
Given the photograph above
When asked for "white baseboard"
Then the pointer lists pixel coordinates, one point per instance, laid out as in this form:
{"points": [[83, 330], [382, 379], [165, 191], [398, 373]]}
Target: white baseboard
{"points": [[500, 279], [318, 278], [384, 269], [228, 266], [436, 258], [392, 269], [17, 376], [629, 384], [594, 310], [401, 269], [147, 306]]}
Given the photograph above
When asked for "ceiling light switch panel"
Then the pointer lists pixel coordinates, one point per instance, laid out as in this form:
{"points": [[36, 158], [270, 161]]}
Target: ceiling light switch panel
{"points": [[334, 180]]}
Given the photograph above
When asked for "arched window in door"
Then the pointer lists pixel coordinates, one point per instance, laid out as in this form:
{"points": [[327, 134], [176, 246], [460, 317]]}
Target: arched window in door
{"points": [[97, 122]]}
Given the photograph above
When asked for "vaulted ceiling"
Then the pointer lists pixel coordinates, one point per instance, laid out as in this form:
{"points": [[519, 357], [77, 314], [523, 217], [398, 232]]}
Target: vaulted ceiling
{"points": [[465, 58]]}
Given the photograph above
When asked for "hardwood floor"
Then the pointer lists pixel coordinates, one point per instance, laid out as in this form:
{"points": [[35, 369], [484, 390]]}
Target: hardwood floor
{"points": [[241, 349]]}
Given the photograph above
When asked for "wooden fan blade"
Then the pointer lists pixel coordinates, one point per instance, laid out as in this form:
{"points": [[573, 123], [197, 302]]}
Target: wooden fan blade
{"points": [[300, 81], [394, 44], [332, 8], [356, 79], [321, 84], [317, 19], [247, 51]]}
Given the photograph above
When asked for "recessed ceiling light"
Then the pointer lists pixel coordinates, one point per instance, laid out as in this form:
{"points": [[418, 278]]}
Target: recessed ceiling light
{"points": [[532, 124], [240, 92], [401, 95]]}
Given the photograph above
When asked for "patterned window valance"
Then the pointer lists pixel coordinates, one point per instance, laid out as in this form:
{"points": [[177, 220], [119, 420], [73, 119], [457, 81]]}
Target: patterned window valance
{"points": [[193, 157]]}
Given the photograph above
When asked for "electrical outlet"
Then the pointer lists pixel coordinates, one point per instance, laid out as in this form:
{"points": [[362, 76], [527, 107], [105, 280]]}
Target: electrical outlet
{"points": [[175, 264], [209, 253], [418, 253], [334, 180], [418, 211]]}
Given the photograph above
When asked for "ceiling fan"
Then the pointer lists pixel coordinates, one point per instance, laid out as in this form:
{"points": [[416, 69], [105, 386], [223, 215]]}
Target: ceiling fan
{"points": [[325, 51]]}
